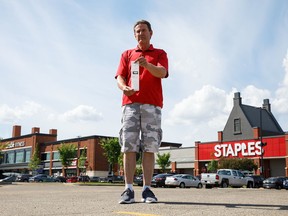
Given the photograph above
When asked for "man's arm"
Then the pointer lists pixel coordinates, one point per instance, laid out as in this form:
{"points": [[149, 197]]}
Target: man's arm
{"points": [[121, 82], [157, 71]]}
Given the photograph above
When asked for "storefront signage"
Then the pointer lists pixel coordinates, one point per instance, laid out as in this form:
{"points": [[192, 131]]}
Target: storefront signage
{"points": [[15, 144], [245, 149], [276, 147]]}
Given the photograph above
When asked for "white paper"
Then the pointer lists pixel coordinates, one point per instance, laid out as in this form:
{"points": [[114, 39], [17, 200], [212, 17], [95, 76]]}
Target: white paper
{"points": [[135, 82]]}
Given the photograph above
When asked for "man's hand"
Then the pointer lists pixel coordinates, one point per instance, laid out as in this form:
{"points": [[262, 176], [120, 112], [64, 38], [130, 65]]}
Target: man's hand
{"points": [[157, 71], [128, 91]]}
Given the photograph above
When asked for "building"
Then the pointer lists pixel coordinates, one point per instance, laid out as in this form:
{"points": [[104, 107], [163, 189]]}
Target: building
{"points": [[20, 149], [182, 159], [250, 132]]}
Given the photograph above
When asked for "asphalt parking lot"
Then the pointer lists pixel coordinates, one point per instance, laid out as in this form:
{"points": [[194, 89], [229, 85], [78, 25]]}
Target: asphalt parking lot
{"points": [[71, 199]]}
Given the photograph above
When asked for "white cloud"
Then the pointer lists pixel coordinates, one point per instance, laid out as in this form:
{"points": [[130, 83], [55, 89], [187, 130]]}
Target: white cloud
{"points": [[82, 113], [10, 115], [281, 100], [203, 105]]}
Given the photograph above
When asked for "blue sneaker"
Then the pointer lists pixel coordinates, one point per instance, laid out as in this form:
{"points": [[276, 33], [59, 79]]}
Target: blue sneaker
{"points": [[148, 196], [127, 197]]}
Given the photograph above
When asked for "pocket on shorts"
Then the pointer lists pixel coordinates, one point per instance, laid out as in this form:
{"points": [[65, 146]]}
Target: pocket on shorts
{"points": [[120, 137], [160, 135]]}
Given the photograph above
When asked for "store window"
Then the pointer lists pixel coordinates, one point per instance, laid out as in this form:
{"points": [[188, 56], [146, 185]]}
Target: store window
{"points": [[10, 157], [45, 156], [27, 155], [56, 155], [19, 156], [237, 126]]}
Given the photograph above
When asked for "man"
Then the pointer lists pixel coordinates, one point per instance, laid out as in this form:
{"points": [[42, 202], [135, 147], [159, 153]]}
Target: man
{"points": [[141, 111]]}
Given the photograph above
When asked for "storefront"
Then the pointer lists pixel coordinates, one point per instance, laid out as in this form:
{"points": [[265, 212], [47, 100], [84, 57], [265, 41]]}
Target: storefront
{"points": [[19, 149], [275, 160], [246, 128]]}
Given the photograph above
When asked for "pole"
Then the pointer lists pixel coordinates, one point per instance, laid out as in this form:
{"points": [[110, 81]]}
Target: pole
{"points": [[261, 143]]}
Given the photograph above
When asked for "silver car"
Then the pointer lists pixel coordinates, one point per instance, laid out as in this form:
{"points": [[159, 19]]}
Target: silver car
{"points": [[183, 181]]}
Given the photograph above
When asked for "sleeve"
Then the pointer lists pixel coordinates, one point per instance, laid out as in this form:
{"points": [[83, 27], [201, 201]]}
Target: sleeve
{"points": [[123, 66], [163, 61]]}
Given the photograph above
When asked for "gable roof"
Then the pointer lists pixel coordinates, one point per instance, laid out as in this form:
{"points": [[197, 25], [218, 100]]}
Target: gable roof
{"points": [[250, 117], [269, 124]]}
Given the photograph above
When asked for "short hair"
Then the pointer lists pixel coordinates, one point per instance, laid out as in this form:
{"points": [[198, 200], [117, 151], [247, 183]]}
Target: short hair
{"points": [[143, 22]]}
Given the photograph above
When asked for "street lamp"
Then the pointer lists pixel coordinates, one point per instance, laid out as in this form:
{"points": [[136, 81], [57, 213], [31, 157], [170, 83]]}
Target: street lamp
{"points": [[262, 144]]}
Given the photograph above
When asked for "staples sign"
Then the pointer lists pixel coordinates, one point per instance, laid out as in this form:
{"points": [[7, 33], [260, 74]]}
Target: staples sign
{"points": [[244, 149]]}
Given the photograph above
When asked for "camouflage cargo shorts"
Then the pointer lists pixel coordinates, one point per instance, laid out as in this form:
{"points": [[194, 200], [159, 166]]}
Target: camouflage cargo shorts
{"points": [[140, 120]]}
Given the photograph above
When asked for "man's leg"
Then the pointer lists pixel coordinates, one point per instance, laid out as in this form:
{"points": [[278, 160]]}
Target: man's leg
{"points": [[148, 167], [129, 166], [129, 160]]}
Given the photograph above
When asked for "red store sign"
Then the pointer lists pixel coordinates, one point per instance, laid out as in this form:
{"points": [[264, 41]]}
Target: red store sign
{"points": [[247, 148]]}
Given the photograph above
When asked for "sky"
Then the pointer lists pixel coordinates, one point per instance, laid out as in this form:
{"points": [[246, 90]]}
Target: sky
{"points": [[58, 59]]}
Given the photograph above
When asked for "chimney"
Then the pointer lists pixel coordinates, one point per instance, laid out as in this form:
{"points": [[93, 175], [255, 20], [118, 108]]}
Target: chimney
{"points": [[266, 105], [220, 136], [237, 99], [53, 131], [16, 131], [35, 130]]}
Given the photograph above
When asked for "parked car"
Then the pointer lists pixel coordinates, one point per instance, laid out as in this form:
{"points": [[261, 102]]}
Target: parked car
{"points": [[285, 184], [83, 178], [139, 179], [60, 179], [183, 181], [23, 178], [159, 180], [11, 178], [274, 182], [72, 179], [41, 178], [115, 179], [258, 181], [94, 179]]}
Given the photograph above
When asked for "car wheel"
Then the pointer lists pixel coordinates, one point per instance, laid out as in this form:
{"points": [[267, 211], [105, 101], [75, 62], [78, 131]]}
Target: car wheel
{"points": [[199, 185], [249, 185], [224, 184], [40, 181], [182, 185]]}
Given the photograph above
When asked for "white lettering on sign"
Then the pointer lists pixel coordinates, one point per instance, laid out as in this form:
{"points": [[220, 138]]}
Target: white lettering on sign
{"points": [[15, 144], [246, 149]]}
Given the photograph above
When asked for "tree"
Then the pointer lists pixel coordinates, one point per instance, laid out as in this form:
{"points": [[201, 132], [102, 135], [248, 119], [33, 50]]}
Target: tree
{"points": [[2, 146], [67, 152], [81, 161], [112, 151], [163, 161], [212, 166], [35, 160], [237, 163]]}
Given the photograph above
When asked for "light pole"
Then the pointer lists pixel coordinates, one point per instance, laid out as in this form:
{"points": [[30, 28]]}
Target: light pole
{"points": [[262, 145]]}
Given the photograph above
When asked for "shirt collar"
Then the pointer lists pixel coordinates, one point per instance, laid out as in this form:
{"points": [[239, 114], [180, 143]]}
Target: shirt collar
{"points": [[151, 48]]}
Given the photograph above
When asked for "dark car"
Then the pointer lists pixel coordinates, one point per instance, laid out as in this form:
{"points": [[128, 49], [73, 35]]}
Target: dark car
{"points": [[9, 179], [274, 182], [139, 179], [258, 181], [83, 178], [60, 179], [94, 179], [23, 178], [115, 179], [285, 184], [41, 178], [159, 180]]}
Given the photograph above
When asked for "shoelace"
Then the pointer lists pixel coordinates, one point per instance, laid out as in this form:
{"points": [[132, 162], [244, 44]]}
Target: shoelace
{"points": [[126, 191]]}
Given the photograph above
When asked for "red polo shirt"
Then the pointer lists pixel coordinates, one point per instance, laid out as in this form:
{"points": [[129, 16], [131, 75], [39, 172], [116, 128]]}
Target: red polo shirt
{"points": [[150, 86]]}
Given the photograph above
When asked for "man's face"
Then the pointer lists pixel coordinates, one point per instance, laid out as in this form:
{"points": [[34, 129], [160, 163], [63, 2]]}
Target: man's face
{"points": [[142, 34]]}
